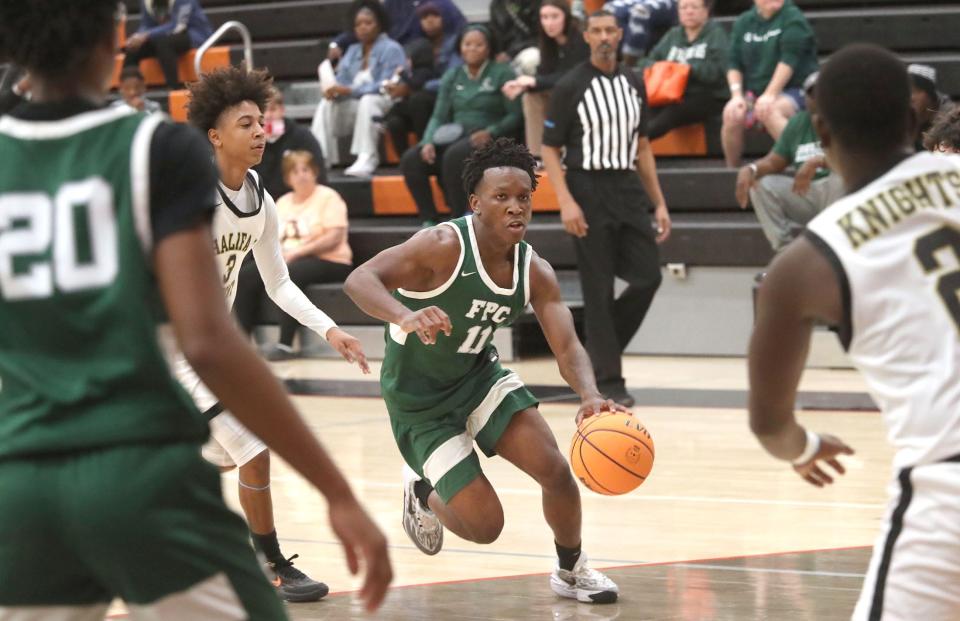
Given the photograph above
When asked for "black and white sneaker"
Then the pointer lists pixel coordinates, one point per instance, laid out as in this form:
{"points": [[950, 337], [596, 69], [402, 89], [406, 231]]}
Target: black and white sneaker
{"points": [[584, 584], [295, 586], [420, 523]]}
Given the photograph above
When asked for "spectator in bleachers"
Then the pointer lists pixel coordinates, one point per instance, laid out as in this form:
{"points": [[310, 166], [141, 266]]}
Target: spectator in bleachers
{"points": [[349, 106], [405, 24], [703, 44], [284, 135], [514, 24], [561, 48], [470, 112], [416, 92], [772, 51], [132, 90], [925, 99], [944, 134], [168, 28], [313, 237], [781, 202], [640, 21]]}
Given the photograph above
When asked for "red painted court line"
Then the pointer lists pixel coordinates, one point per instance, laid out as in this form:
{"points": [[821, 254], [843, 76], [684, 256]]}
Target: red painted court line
{"points": [[658, 563], [545, 573]]}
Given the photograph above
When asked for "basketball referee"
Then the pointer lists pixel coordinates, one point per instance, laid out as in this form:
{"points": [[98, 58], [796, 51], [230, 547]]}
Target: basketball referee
{"points": [[598, 112]]}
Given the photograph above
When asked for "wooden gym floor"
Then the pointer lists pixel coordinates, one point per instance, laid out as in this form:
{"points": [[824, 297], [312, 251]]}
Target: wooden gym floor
{"points": [[719, 531]]}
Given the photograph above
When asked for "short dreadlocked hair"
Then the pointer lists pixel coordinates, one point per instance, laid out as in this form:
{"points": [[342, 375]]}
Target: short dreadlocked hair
{"points": [[224, 88], [499, 153], [945, 130], [53, 38]]}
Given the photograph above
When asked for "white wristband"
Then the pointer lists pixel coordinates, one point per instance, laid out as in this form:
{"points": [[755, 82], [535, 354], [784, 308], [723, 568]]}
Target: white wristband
{"points": [[811, 449]]}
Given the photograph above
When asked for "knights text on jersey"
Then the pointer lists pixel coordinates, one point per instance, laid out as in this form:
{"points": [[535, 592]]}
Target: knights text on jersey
{"points": [[896, 247]]}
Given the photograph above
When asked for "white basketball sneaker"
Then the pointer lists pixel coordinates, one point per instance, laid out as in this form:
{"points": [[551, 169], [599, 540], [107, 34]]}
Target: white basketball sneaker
{"points": [[419, 522], [584, 584]]}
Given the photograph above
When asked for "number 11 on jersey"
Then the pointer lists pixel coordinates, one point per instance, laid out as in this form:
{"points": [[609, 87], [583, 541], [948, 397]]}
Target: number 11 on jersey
{"points": [[476, 340]]}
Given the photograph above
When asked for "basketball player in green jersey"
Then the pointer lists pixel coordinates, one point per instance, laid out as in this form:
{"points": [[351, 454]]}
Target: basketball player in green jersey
{"points": [[453, 285], [104, 241]]}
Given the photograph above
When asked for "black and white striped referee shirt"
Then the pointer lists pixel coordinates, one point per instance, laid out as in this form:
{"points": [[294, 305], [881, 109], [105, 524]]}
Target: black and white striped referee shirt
{"points": [[597, 117]]}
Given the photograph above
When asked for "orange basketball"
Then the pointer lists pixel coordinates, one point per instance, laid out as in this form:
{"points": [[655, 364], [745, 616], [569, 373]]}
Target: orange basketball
{"points": [[611, 453]]}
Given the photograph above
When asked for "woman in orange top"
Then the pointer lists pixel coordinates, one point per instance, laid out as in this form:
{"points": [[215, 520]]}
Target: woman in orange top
{"points": [[313, 236]]}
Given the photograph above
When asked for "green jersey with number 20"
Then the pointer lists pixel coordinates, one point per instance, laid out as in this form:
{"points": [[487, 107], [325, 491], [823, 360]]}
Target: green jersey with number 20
{"points": [[81, 360]]}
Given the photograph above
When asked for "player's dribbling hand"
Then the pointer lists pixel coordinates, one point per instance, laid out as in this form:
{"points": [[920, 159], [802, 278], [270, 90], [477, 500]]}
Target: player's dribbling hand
{"points": [[596, 405], [830, 448], [349, 347], [427, 323], [365, 545]]}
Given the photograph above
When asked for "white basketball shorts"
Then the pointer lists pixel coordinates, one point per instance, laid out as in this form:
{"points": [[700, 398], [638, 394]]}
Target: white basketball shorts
{"points": [[914, 572], [231, 444]]}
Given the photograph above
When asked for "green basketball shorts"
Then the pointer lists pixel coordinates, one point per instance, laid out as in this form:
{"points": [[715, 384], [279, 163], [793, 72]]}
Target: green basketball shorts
{"points": [[441, 449], [146, 523]]}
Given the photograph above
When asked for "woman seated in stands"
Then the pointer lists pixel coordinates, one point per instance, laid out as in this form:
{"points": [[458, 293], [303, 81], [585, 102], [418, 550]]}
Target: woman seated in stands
{"points": [[350, 106], [471, 111], [168, 28], [561, 48], [313, 237], [772, 51], [701, 43]]}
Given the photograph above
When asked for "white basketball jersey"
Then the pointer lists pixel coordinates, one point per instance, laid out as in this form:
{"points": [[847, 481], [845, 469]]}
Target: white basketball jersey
{"points": [[237, 226], [897, 242]]}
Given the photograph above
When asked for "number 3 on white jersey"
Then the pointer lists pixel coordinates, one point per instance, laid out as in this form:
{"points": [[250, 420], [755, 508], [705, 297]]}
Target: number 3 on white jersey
{"points": [[41, 221]]}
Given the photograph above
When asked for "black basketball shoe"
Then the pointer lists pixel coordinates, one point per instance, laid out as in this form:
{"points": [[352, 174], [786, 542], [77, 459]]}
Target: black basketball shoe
{"points": [[295, 586]]}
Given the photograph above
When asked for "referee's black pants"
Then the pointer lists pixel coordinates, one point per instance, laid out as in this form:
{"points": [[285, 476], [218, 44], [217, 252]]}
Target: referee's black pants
{"points": [[620, 242]]}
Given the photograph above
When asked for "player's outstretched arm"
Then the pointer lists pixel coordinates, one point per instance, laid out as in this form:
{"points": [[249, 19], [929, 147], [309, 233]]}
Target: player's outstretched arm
{"points": [[216, 350], [288, 296], [557, 324], [799, 288], [417, 264]]}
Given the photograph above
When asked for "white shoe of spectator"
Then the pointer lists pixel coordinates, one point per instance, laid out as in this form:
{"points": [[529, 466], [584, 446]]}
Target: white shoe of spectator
{"points": [[365, 166]]}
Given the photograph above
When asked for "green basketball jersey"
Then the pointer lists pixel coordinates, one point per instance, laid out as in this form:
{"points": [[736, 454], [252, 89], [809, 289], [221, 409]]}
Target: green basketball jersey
{"points": [[424, 381], [81, 361]]}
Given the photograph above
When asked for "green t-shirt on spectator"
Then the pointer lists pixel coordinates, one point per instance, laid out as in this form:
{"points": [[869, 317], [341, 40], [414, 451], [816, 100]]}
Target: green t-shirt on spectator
{"points": [[757, 45], [799, 142], [476, 103]]}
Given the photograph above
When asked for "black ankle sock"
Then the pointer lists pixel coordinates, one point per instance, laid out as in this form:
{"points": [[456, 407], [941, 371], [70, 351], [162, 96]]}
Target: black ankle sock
{"points": [[269, 546], [568, 556], [422, 490]]}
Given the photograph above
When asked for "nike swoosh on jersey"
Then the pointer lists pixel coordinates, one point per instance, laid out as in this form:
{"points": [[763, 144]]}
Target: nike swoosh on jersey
{"points": [[467, 273]]}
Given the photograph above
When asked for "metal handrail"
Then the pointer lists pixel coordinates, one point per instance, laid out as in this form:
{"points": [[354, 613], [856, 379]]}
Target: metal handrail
{"points": [[231, 25]]}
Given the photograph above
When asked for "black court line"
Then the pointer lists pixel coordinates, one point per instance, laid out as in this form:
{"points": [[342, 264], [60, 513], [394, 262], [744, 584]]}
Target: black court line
{"points": [[645, 397]]}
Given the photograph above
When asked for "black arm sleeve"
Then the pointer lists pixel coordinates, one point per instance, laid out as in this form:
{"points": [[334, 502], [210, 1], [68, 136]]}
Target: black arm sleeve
{"points": [[183, 180]]}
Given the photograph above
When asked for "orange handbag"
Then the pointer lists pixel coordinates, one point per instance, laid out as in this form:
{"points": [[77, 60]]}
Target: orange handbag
{"points": [[666, 82]]}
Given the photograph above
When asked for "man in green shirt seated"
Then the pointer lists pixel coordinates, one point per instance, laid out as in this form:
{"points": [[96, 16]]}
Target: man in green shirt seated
{"points": [[782, 202]]}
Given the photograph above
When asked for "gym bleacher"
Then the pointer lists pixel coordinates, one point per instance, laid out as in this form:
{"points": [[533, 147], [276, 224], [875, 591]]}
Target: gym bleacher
{"points": [[710, 231]]}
